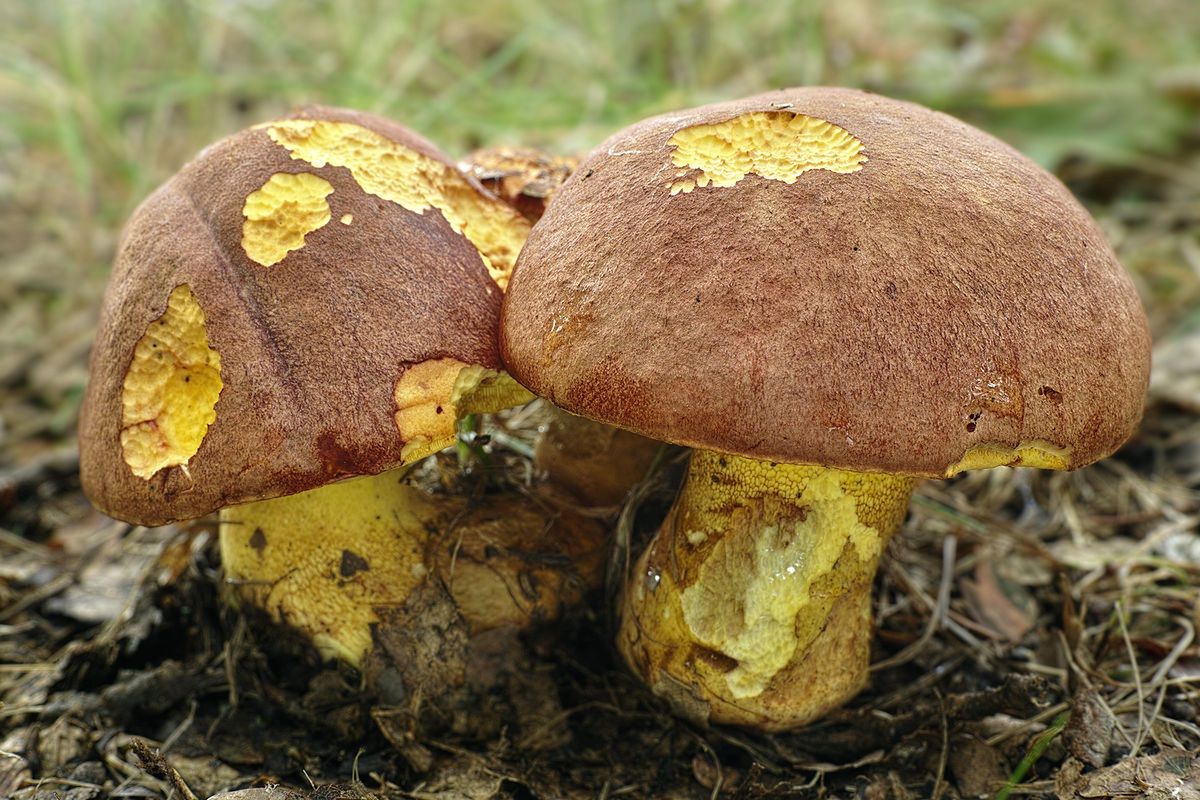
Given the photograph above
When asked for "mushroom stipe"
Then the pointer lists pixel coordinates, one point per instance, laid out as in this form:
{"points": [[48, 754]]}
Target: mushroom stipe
{"points": [[758, 588]]}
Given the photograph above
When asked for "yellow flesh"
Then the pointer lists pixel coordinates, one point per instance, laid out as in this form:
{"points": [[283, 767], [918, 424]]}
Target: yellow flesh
{"points": [[432, 396], [336, 561], [738, 590], [1038, 453], [777, 145], [323, 561], [279, 215], [170, 392], [418, 183]]}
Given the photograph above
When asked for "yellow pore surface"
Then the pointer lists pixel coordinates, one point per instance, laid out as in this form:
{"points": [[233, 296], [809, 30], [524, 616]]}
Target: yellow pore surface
{"points": [[279, 215], [393, 172], [170, 391], [324, 561], [790, 541], [432, 396], [777, 145], [1037, 453]]}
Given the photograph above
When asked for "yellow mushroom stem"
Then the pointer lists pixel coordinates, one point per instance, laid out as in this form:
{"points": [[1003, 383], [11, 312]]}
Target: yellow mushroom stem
{"points": [[327, 562], [752, 605]]}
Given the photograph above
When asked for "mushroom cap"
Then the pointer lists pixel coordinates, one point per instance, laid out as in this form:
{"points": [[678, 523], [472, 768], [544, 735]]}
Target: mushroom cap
{"points": [[294, 272], [827, 276], [524, 178]]}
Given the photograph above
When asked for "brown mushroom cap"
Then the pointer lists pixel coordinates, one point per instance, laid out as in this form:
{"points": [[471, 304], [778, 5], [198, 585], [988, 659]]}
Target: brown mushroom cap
{"points": [[907, 295], [311, 314]]}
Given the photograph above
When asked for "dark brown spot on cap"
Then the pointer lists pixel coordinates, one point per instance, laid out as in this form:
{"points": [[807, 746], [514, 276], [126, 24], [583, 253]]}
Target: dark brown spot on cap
{"points": [[336, 460], [1050, 394]]}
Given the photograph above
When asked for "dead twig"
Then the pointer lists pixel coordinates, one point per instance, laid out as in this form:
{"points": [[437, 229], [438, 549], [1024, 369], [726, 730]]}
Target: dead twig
{"points": [[157, 765]]}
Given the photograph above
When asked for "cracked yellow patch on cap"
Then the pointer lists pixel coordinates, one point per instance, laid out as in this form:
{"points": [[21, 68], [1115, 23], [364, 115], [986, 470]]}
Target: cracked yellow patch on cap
{"points": [[170, 391], [777, 145], [288, 207], [416, 182], [1038, 453], [432, 396]]}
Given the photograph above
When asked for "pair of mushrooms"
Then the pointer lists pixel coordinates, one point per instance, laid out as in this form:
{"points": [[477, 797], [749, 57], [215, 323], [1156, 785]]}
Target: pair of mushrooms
{"points": [[828, 294]]}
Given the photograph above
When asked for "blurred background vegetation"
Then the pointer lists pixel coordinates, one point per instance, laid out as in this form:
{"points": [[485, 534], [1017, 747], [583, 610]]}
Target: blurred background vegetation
{"points": [[100, 100]]}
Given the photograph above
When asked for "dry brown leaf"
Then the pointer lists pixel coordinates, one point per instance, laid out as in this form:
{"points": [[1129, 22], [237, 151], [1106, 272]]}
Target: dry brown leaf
{"points": [[977, 767], [1004, 607], [1175, 374], [1095, 553], [1089, 732], [1169, 775], [14, 766]]}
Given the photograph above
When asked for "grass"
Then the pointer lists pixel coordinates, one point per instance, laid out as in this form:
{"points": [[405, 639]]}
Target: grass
{"points": [[116, 93], [1040, 743]]}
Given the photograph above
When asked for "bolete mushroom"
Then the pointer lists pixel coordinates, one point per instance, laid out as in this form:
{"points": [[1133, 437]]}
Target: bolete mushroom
{"points": [[829, 295], [310, 301]]}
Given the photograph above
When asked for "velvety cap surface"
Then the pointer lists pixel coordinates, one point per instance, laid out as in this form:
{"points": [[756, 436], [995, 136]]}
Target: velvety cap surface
{"points": [[828, 276], [267, 304]]}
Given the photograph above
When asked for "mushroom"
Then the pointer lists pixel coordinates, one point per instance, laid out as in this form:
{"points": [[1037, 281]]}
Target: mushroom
{"points": [[829, 295], [294, 319]]}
